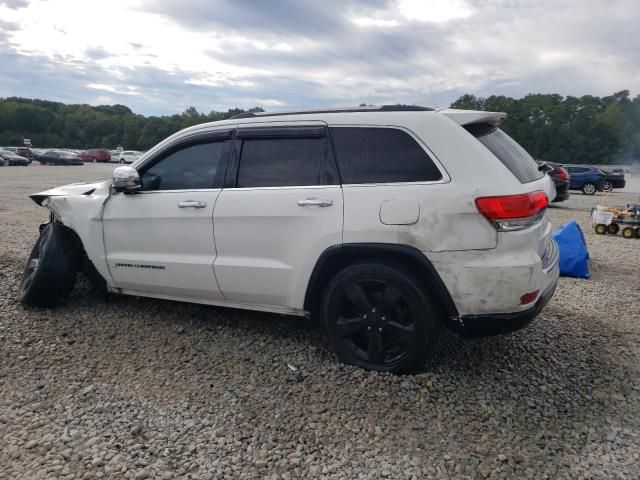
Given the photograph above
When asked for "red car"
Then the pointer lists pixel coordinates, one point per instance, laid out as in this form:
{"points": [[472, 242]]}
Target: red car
{"points": [[95, 155]]}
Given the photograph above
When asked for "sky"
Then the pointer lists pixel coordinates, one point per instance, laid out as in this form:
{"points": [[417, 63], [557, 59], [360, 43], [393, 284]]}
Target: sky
{"points": [[161, 56]]}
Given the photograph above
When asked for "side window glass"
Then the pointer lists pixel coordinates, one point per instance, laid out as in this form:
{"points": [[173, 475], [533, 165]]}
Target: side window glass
{"points": [[381, 155], [281, 162], [190, 167]]}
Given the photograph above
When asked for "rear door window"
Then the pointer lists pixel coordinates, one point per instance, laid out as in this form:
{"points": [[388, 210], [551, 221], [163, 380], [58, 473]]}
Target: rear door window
{"points": [[381, 155], [282, 162], [507, 150]]}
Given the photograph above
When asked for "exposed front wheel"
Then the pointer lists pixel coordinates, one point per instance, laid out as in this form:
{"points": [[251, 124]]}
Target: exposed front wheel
{"points": [[380, 318], [50, 272], [601, 229], [589, 188]]}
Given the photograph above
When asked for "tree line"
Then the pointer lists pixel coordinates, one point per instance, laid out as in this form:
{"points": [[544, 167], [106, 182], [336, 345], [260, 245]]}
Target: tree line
{"points": [[569, 129], [587, 129], [53, 124]]}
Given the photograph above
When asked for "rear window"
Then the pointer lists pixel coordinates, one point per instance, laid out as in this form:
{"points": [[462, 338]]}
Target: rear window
{"points": [[508, 151]]}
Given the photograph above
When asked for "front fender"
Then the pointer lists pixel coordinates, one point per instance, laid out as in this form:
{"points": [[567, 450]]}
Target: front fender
{"points": [[80, 207]]}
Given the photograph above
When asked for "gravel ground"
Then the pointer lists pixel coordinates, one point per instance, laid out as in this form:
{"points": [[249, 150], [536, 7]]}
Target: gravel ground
{"points": [[141, 388]]}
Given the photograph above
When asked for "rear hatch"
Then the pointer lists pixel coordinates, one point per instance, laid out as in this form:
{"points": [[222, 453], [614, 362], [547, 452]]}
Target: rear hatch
{"points": [[484, 127]]}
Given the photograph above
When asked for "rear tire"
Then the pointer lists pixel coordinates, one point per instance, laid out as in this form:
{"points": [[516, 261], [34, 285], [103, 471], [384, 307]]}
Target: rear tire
{"points": [[94, 160], [601, 229], [589, 188], [380, 318], [50, 272], [613, 228]]}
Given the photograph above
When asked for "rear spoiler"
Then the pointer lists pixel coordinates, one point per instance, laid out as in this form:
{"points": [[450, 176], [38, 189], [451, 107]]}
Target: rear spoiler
{"points": [[466, 117]]}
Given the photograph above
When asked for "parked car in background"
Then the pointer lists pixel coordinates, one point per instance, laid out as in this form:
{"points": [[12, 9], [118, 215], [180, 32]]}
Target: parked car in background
{"points": [[59, 157], [8, 158], [613, 179], [129, 156], [25, 152], [95, 155], [115, 154], [560, 179], [588, 179]]}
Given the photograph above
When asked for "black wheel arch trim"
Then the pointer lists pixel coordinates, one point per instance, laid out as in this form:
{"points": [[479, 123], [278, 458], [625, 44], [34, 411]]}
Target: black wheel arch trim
{"points": [[356, 250]]}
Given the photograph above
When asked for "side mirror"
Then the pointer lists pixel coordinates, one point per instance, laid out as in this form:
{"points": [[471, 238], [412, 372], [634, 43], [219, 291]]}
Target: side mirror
{"points": [[126, 179]]}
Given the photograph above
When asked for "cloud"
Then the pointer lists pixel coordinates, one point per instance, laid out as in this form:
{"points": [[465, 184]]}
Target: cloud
{"points": [[161, 56], [14, 4]]}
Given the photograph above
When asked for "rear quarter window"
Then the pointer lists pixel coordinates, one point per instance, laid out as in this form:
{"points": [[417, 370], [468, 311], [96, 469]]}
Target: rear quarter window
{"points": [[507, 150], [381, 155]]}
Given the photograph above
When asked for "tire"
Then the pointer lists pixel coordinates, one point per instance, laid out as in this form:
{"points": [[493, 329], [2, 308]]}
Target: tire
{"points": [[601, 229], [122, 160], [379, 318], [628, 232], [613, 228], [50, 272], [637, 232], [589, 188], [608, 186], [5, 163], [94, 160]]}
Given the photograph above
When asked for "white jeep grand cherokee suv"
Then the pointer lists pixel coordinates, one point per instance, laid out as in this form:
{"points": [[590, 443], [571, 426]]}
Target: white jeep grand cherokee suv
{"points": [[386, 224]]}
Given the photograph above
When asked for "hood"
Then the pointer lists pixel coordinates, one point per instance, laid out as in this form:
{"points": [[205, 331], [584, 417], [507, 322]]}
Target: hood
{"points": [[83, 188]]}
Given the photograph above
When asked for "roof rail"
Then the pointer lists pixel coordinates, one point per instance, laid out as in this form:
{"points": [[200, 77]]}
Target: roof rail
{"points": [[378, 108]]}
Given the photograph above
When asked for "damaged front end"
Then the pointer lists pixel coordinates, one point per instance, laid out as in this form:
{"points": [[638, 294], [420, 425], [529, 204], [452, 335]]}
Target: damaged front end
{"points": [[79, 207]]}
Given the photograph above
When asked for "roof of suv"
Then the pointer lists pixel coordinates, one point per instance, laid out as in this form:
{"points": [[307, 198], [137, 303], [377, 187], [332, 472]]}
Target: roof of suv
{"points": [[372, 108], [462, 117]]}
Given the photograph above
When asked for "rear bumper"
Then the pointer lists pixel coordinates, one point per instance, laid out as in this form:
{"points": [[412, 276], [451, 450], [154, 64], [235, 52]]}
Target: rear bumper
{"points": [[486, 325]]}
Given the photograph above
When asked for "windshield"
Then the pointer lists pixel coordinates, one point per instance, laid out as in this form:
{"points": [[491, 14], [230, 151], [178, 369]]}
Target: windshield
{"points": [[507, 150]]}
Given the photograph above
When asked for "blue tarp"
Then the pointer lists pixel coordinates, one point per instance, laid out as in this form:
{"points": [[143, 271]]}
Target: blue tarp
{"points": [[574, 256]]}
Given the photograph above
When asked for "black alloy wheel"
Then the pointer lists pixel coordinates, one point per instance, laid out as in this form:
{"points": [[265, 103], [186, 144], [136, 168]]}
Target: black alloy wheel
{"points": [[379, 317]]}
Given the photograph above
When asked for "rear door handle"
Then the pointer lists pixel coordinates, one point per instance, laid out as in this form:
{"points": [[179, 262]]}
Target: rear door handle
{"points": [[315, 202], [192, 204]]}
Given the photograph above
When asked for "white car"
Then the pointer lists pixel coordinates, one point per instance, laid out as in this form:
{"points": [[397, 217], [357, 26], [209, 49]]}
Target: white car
{"points": [[383, 223], [129, 156]]}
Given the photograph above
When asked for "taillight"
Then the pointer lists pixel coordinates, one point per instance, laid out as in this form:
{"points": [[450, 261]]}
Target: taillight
{"points": [[513, 212], [561, 174]]}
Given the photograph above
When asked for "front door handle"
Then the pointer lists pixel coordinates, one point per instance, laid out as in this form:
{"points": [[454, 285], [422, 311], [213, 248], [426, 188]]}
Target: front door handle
{"points": [[192, 204], [315, 202]]}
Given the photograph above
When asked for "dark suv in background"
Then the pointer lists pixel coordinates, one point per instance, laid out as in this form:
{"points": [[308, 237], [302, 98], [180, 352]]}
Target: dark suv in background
{"points": [[560, 179], [613, 179]]}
